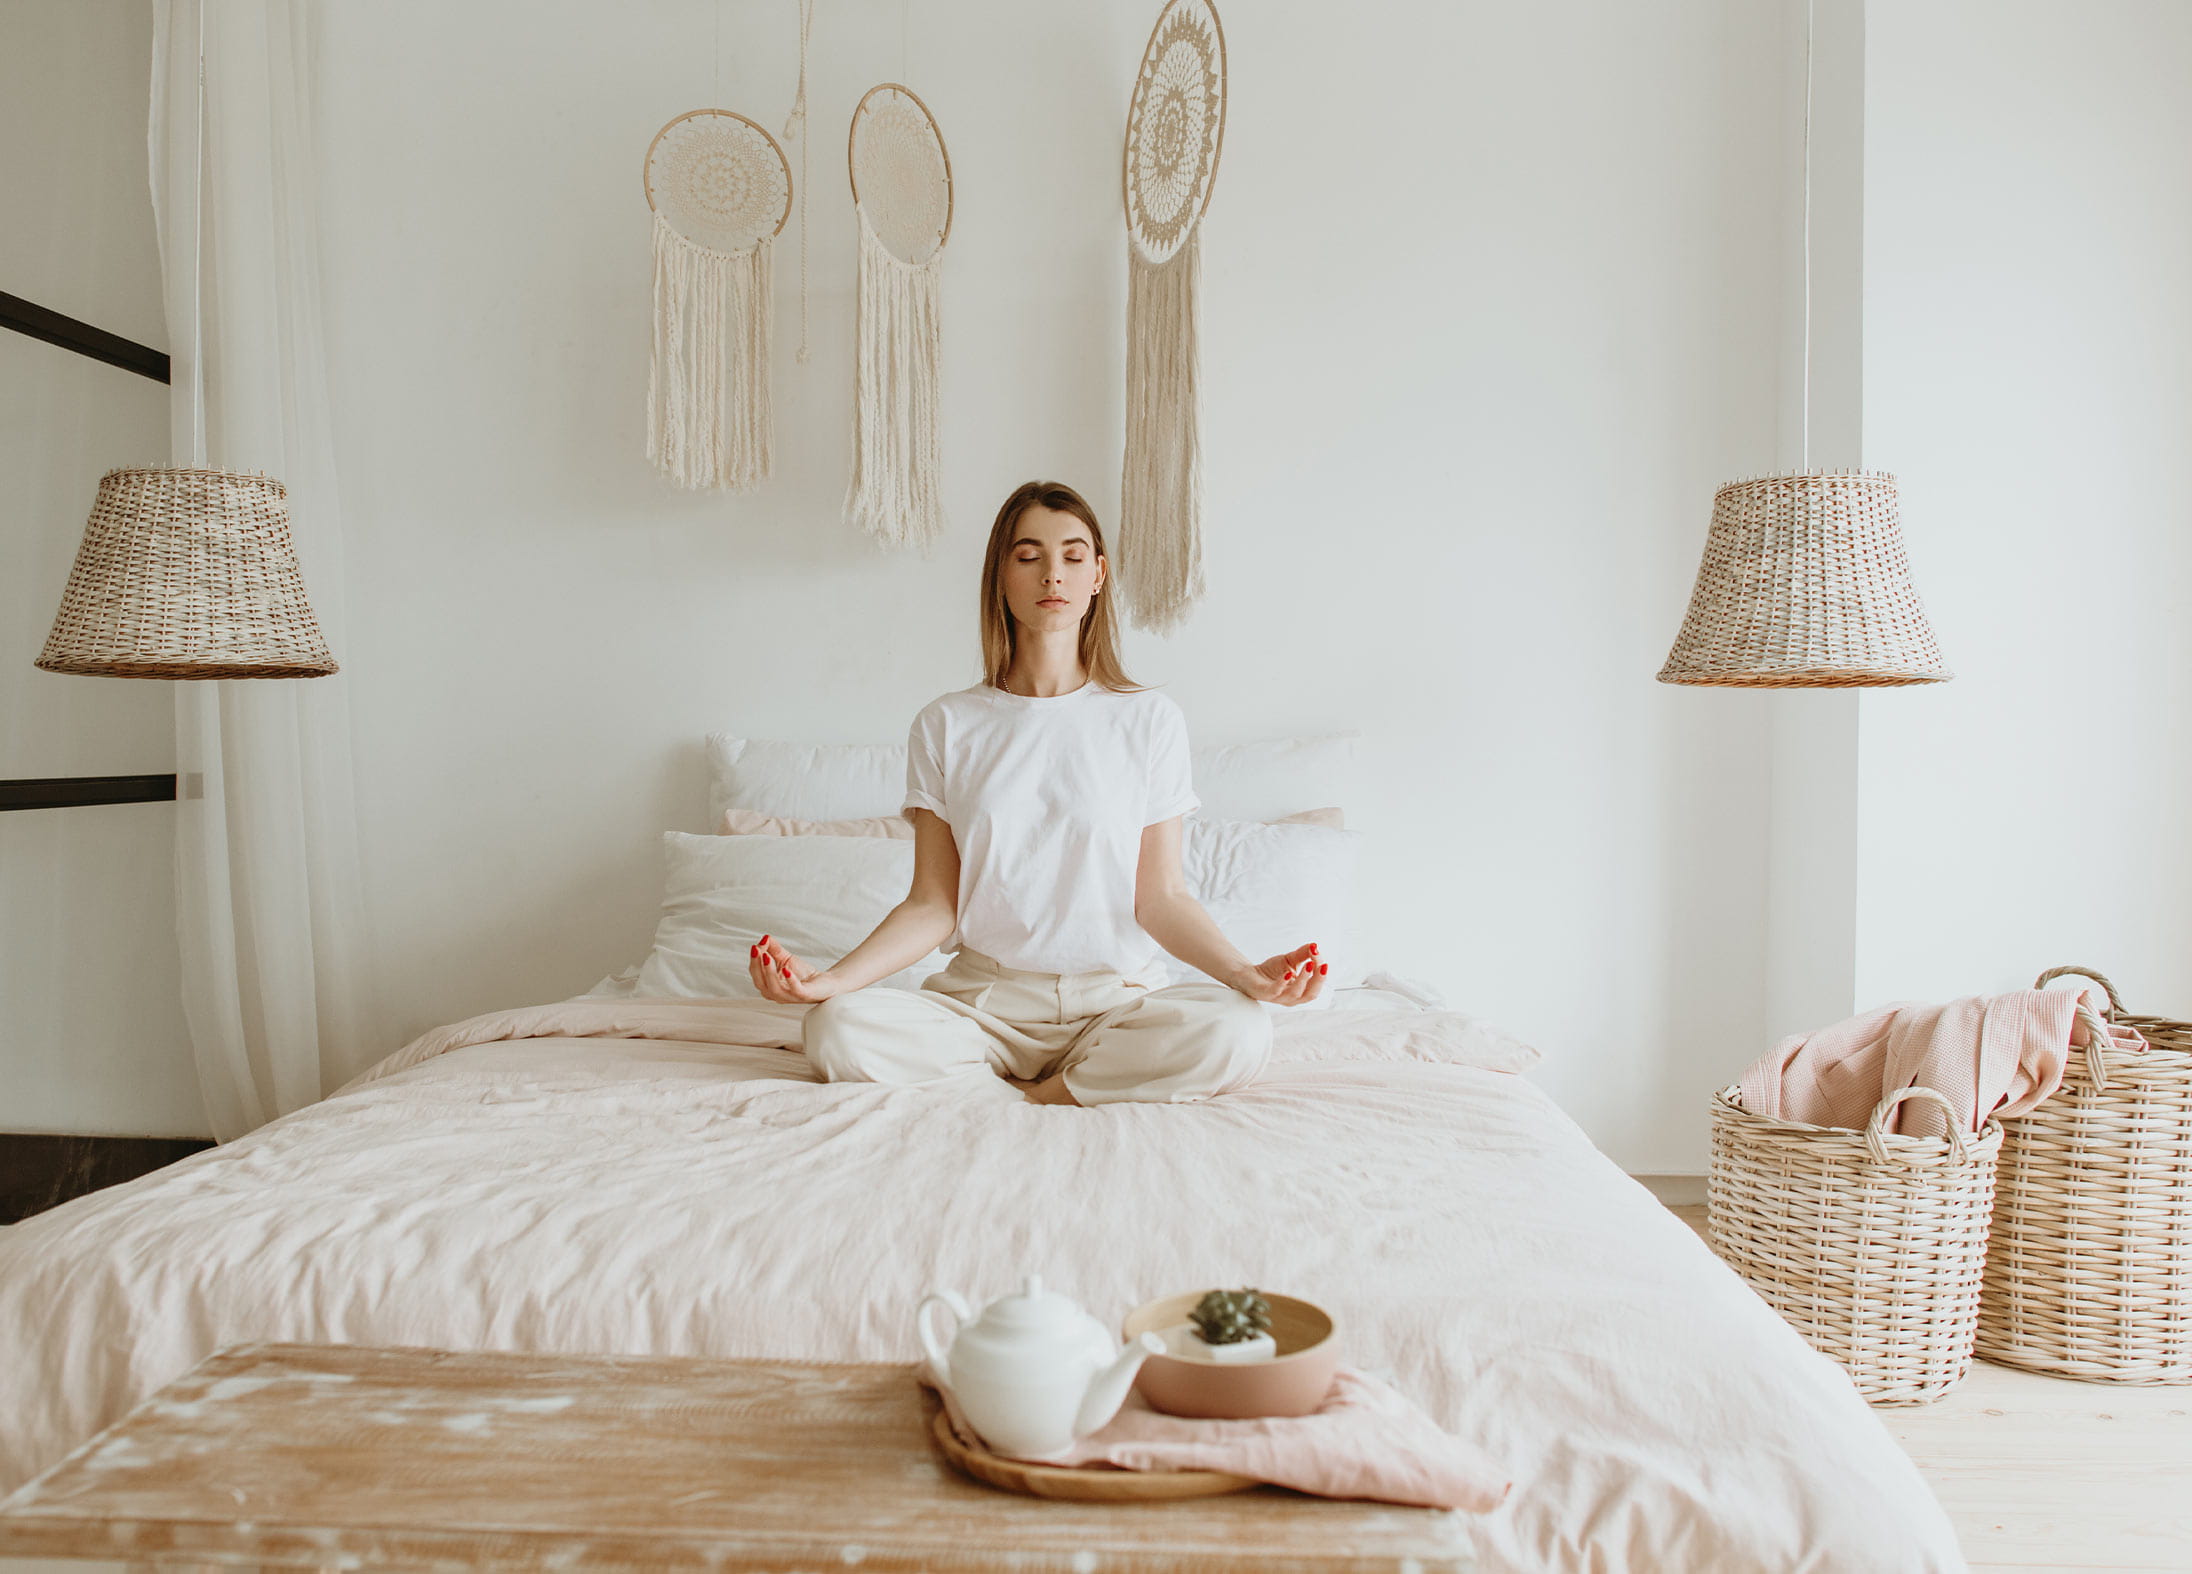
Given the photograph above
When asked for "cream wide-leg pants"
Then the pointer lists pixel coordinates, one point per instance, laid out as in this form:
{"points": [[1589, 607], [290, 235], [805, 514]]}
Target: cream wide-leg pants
{"points": [[979, 1020]]}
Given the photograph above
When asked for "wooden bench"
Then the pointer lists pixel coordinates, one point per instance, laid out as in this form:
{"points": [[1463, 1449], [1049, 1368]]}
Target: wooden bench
{"points": [[325, 1455]]}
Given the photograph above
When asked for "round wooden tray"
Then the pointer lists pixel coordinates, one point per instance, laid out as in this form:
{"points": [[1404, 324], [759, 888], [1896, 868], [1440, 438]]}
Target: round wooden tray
{"points": [[1083, 1483]]}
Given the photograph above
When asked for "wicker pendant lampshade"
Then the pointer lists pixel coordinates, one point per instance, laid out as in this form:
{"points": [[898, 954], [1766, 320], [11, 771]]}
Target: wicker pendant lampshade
{"points": [[1804, 585], [187, 573]]}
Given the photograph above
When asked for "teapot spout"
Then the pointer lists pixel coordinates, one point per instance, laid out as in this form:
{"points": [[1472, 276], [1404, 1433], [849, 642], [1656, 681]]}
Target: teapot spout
{"points": [[1107, 1389]]}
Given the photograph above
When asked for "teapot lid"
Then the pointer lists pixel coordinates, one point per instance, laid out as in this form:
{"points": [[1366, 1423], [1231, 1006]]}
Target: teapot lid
{"points": [[1030, 1306], [1028, 1333], [1032, 1312]]}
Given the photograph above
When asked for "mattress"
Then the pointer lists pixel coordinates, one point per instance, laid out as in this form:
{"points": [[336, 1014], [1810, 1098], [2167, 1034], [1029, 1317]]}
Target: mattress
{"points": [[600, 1177]]}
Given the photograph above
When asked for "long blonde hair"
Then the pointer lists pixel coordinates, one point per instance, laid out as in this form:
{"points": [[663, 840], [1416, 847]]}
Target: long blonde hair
{"points": [[1099, 628]]}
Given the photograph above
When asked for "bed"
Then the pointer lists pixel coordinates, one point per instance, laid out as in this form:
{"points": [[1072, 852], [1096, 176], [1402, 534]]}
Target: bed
{"points": [[627, 1172], [525, 1181]]}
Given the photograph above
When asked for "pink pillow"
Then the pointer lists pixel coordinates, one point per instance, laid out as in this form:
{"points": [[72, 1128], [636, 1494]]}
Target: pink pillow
{"points": [[751, 822]]}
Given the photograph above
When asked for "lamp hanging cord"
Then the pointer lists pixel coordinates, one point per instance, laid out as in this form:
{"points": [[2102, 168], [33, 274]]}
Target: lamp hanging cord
{"points": [[197, 267], [1806, 465], [795, 125]]}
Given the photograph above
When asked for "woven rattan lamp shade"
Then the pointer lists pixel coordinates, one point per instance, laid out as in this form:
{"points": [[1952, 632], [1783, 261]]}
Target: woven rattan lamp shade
{"points": [[187, 574], [1804, 585]]}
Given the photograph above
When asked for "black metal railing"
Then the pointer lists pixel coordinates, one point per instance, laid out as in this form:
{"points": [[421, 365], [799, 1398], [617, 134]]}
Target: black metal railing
{"points": [[39, 322]]}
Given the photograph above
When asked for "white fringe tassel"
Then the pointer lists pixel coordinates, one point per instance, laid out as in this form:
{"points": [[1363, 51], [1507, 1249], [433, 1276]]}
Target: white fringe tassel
{"points": [[710, 418], [894, 408], [1161, 490]]}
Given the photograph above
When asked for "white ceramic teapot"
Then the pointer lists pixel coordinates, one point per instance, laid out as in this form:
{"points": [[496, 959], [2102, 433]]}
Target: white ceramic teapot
{"points": [[1034, 1373]]}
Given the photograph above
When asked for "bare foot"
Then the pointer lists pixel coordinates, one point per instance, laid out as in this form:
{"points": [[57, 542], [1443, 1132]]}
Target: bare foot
{"points": [[1050, 1090]]}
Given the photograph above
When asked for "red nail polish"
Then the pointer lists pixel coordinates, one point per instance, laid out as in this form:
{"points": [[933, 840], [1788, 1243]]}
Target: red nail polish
{"points": [[1323, 968], [764, 939]]}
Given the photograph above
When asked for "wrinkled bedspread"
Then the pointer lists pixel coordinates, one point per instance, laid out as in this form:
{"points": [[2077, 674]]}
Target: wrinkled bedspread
{"points": [[486, 1189]]}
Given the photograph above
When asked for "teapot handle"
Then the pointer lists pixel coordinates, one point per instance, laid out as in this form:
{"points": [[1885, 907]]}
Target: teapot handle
{"points": [[938, 1351]]}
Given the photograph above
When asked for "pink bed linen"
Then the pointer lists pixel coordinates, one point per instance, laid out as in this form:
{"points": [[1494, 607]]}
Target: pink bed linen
{"points": [[684, 1196]]}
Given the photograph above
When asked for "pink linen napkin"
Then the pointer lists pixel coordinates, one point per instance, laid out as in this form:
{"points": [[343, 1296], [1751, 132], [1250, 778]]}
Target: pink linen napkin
{"points": [[1366, 1441]]}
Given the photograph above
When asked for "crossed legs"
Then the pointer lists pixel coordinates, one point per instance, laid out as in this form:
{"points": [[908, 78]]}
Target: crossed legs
{"points": [[1185, 1042]]}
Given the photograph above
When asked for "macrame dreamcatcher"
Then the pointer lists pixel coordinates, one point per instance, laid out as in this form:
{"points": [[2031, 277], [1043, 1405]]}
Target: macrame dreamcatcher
{"points": [[1174, 130], [901, 192], [795, 130], [721, 191]]}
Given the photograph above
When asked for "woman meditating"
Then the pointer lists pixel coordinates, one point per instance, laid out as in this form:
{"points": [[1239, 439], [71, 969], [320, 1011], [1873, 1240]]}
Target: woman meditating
{"points": [[1046, 805]]}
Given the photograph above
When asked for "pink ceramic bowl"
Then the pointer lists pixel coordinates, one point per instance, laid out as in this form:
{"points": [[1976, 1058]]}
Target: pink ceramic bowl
{"points": [[1292, 1383]]}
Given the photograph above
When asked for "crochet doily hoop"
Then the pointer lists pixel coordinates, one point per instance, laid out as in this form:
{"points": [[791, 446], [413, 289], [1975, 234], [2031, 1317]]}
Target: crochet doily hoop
{"points": [[908, 197], [719, 179], [1175, 128]]}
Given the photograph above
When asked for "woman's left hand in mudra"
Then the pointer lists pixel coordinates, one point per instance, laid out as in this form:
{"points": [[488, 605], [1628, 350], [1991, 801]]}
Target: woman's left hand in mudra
{"points": [[1287, 979]]}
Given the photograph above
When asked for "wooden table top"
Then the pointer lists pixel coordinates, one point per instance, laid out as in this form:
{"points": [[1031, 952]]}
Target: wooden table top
{"points": [[342, 1454]]}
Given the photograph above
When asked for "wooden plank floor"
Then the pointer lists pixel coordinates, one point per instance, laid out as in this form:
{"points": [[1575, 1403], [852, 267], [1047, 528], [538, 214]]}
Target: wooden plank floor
{"points": [[2042, 1473]]}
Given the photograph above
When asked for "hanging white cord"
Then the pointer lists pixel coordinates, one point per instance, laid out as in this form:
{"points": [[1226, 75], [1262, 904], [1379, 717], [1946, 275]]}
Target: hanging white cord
{"points": [[795, 125], [1806, 465], [197, 270]]}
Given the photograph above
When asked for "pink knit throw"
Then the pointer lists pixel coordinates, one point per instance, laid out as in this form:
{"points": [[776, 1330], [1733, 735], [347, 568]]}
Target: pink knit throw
{"points": [[1368, 1440], [1991, 1056]]}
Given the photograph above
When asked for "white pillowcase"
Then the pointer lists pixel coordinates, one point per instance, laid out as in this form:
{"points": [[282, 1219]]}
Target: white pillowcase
{"points": [[1272, 887], [1268, 892], [843, 781], [804, 781], [1269, 887], [1275, 776], [752, 822], [819, 895]]}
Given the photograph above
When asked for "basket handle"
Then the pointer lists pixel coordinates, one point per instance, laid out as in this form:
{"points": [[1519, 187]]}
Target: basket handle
{"points": [[2115, 1004], [2097, 1041], [1876, 1132]]}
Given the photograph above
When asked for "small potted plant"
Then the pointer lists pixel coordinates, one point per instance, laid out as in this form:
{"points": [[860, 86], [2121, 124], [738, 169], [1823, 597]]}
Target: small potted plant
{"points": [[1227, 1326], [1273, 1354]]}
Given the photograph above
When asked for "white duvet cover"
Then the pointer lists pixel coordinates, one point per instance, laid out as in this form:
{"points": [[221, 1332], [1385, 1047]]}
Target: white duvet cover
{"points": [[680, 1196]]}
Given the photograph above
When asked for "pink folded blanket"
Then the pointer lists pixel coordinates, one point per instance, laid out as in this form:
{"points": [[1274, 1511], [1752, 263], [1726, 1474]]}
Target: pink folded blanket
{"points": [[1991, 1056], [1366, 1441]]}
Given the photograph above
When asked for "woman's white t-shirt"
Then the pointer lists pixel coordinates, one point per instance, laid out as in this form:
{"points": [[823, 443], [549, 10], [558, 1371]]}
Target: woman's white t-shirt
{"points": [[1047, 797]]}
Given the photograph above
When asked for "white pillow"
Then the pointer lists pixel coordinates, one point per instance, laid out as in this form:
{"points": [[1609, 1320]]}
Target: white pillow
{"points": [[1211, 854], [1273, 887], [819, 895], [843, 781], [1275, 776], [804, 781]]}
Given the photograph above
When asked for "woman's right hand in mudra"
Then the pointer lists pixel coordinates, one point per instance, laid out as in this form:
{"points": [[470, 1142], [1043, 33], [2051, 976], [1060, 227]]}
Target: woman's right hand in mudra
{"points": [[782, 977]]}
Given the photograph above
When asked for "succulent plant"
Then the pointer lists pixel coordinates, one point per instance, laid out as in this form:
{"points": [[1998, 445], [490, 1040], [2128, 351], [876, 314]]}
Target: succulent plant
{"points": [[1231, 1316]]}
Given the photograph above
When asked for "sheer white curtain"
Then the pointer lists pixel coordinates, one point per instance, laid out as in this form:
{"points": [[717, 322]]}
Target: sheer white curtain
{"points": [[277, 979]]}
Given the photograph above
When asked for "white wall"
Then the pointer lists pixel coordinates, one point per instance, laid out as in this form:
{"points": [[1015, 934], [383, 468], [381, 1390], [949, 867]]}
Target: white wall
{"points": [[1811, 838], [91, 1031], [1493, 297], [2028, 359]]}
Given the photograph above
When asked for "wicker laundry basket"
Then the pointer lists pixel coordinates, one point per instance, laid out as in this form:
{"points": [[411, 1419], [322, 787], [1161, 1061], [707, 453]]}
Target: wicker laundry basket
{"points": [[2089, 1272], [1870, 1244]]}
